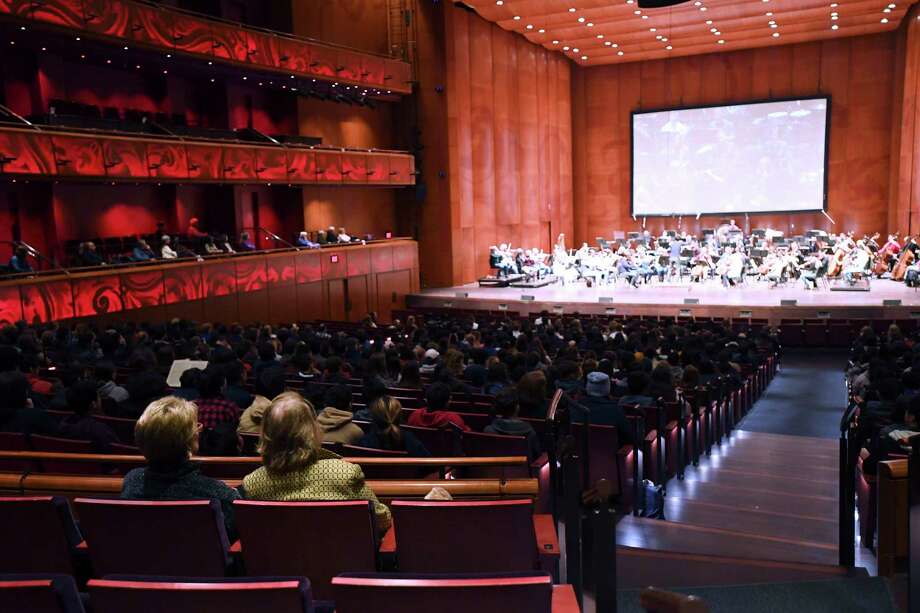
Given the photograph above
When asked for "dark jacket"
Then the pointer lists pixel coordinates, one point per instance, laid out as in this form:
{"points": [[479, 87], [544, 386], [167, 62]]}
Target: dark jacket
{"points": [[517, 427], [239, 396], [28, 421], [605, 412], [86, 428], [410, 443], [184, 482]]}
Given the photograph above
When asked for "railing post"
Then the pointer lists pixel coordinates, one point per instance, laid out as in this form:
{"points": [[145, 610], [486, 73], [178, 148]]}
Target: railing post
{"points": [[846, 538], [604, 556], [573, 529], [913, 527]]}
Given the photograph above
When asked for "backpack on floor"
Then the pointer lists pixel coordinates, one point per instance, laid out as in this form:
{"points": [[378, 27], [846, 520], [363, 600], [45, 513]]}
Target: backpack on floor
{"points": [[652, 500]]}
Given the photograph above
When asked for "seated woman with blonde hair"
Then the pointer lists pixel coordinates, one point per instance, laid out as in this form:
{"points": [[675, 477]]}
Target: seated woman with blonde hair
{"points": [[167, 434], [296, 467]]}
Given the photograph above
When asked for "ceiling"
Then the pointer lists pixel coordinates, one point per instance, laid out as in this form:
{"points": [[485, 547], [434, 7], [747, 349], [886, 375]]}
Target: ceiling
{"points": [[595, 32]]}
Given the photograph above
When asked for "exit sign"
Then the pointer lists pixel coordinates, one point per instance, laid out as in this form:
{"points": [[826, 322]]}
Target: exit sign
{"points": [[334, 258]]}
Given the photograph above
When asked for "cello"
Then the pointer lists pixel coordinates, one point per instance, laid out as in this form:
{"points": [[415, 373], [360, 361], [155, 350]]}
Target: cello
{"points": [[835, 267], [884, 257], [907, 258]]}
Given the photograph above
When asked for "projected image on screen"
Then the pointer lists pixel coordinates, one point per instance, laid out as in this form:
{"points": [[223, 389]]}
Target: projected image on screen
{"points": [[746, 158]]}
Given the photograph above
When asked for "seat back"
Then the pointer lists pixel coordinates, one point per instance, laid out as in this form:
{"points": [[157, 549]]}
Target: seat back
{"points": [[123, 428], [469, 536], [38, 535], [603, 444], [440, 442], [392, 593], [176, 538], [39, 594], [14, 441], [484, 445], [310, 539], [65, 445], [282, 595]]}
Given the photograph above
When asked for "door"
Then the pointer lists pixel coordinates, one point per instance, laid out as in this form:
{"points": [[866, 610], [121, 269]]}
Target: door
{"points": [[392, 288], [336, 294], [356, 304]]}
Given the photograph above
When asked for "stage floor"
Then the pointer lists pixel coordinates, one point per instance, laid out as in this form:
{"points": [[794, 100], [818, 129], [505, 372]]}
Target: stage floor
{"points": [[756, 299]]}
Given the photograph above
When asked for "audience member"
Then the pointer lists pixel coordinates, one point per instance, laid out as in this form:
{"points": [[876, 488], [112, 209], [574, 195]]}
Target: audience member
{"points": [[508, 423], [336, 418], [295, 467], [167, 434], [213, 407], [435, 413], [385, 432], [83, 400], [17, 411]]}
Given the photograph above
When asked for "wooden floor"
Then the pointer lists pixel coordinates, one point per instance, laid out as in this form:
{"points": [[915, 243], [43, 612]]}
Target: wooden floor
{"points": [[765, 497]]}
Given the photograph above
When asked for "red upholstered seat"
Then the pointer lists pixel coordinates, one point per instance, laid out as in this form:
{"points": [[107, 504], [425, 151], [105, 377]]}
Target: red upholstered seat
{"points": [[484, 445], [178, 538], [14, 441], [470, 536], [39, 594], [65, 445], [440, 442], [387, 593], [38, 535], [114, 595], [311, 539]]}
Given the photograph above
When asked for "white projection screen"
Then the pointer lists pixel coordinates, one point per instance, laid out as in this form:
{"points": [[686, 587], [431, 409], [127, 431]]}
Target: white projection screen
{"points": [[743, 158]]}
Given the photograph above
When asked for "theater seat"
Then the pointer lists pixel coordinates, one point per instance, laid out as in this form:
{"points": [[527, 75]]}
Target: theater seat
{"points": [[14, 441], [38, 535], [469, 536], [485, 445], [65, 445], [47, 593], [177, 538], [312, 539], [120, 594], [392, 593]]}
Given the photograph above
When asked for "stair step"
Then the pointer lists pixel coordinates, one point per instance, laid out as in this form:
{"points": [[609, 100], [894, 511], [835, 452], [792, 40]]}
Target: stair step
{"points": [[778, 484], [637, 568], [752, 521], [753, 499], [672, 536]]}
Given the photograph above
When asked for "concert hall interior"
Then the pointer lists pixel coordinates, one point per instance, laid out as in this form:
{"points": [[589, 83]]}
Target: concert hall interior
{"points": [[609, 305]]}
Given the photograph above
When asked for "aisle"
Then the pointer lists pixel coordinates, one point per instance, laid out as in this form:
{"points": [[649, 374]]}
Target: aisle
{"points": [[806, 398]]}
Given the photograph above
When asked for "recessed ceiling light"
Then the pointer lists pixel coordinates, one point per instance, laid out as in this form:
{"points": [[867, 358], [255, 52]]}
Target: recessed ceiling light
{"points": [[499, 2], [600, 36], [555, 42], [584, 57], [884, 20], [709, 22], [566, 48], [669, 47], [721, 41], [572, 10], [776, 35], [653, 29], [517, 17], [619, 53], [589, 24], [835, 27], [530, 26], [581, 20], [575, 50], [608, 43], [541, 31]]}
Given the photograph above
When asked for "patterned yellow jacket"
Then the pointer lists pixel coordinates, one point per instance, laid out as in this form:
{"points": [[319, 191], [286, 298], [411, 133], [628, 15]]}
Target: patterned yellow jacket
{"points": [[324, 479]]}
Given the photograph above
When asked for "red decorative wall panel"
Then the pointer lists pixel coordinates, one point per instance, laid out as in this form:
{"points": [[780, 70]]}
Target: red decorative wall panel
{"points": [[354, 168], [23, 8], [294, 55], [167, 160], [349, 65], [10, 305], [143, 289], [151, 26], [204, 162], [67, 13], [373, 70], [262, 49], [301, 165], [250, 275], [24, 153], [323, 62], [47, 301], [335, 264], [96, 296], [271, 164], [109, 17], [401, 169], [183, 284], [229, 42], [78, 156], [308, 267], [239, 164], [191, 35], [280, 270], [218, 279], [125, 158], [378, 168], [328, 166]]}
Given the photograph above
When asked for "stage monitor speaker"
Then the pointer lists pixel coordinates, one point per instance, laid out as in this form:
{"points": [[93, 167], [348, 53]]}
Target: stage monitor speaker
{"points": [[891, 303], [659, 4], [527, 298], [691, 300], [788, 302]]}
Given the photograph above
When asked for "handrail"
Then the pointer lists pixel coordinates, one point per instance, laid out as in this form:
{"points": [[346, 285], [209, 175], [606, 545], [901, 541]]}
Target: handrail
{"points": [[99, 458], [848, 451]]}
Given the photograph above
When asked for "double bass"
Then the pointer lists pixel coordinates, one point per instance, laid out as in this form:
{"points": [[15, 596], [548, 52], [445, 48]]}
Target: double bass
{"points": [[883, 259], [907, 258]]}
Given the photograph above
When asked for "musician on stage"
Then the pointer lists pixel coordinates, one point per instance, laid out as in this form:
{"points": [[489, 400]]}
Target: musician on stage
{"points": [[811, 267], [731, 266], [857, 262]]}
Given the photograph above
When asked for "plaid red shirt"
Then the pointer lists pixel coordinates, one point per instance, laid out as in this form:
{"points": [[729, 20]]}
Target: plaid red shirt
{"points": [[213, 411]]}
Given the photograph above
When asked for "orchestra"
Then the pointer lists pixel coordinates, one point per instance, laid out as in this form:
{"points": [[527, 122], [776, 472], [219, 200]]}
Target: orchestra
{"points": [[726, 253]]}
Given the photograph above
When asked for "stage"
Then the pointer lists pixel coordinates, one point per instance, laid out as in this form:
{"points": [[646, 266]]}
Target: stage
{"points": [[708, 299]]}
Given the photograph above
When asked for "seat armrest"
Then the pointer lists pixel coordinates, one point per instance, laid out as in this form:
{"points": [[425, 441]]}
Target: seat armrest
{"points": [[547, 539], [564, 600], [388, 543], [540, 462]]}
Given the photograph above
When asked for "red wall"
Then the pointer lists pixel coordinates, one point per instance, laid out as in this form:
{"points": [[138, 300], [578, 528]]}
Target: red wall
{"points": [[87, 211]]}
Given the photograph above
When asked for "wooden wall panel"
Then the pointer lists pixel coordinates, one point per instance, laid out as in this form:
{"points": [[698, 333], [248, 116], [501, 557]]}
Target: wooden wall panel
{"points": [[858, 73], [904, 177], [509, 141]]}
